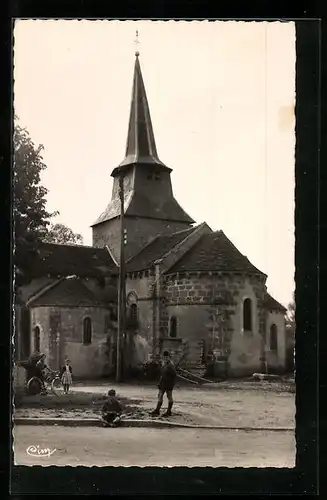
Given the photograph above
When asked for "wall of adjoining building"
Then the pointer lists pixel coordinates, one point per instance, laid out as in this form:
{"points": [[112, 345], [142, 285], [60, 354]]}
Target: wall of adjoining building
{"points": [[140, 289], [247, 348], [88, 361], [276, 359]]}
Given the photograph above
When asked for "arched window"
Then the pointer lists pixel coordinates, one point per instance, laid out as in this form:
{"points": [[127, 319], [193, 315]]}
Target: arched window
{"points": [[37, 347], [173, 327], [87, 331], [247, 315], [133, 315], [273, 338]]}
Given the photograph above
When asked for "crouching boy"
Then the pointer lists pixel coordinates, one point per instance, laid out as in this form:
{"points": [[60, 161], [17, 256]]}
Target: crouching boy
{"points": [[111, 410]]}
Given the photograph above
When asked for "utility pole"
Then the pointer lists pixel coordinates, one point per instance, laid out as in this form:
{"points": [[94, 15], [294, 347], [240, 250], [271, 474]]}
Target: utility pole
{"points": [[121, 285]]}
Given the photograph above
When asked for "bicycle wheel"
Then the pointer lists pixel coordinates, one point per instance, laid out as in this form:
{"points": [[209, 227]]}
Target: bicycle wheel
{"points": [[56, 386], [34, 386]]}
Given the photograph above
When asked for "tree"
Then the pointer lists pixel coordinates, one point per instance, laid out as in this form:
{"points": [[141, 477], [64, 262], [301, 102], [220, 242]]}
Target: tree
{"points": [[31, 219], [59, 233]]}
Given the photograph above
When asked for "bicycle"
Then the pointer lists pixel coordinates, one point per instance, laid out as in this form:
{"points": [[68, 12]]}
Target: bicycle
{"points": [[52, 382]]}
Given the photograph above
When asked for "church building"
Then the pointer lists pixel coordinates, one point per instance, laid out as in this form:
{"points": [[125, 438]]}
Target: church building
{"points": [[188, 289]]}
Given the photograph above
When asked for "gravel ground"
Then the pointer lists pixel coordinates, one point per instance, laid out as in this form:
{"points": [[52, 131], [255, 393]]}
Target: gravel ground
{"points": [[237, 406], [153, 447]]}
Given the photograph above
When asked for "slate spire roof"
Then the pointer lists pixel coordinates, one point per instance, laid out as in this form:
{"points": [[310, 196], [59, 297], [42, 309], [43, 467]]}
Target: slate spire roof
{"points": [[141, 162], [141, 145]]}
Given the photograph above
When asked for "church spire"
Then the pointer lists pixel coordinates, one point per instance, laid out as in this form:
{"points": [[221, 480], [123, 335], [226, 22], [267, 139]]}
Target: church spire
{"points": [[141, 146]]}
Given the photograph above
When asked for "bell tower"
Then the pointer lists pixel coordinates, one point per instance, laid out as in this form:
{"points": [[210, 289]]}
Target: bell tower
{"points": [[149, 204]]}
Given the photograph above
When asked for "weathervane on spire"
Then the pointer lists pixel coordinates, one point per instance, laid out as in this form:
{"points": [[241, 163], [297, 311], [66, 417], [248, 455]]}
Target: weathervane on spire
{"points": [[136, 43]]}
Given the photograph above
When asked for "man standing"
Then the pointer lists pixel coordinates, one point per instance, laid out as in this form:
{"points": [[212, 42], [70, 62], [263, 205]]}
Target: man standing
{"points": [[166, 385]]}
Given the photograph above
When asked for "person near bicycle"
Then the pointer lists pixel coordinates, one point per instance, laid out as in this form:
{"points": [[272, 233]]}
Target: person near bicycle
{"points": [[41, 369], [66, 375], [111, 410]]}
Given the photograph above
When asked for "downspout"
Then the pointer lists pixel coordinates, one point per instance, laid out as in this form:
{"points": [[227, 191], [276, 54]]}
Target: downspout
{"points": [[156, 322], [263, 325]]}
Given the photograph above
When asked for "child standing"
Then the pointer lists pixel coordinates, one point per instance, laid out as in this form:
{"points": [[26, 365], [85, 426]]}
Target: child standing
{"points": [[66, 376]]}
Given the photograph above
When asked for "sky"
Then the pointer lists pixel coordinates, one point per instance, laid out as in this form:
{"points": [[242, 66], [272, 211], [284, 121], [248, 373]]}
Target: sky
{"points": [[221, 97]]}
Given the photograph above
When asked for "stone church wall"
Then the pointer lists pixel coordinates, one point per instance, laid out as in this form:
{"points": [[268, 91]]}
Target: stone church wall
{"points": [[139, 232], [209, 307], [138, 291], [88, 361]]}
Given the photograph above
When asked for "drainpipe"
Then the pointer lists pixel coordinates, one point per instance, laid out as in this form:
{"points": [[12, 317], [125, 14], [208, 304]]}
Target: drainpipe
{"points": [[121, 287], [58, 350], [264, 365], [156, 309]]}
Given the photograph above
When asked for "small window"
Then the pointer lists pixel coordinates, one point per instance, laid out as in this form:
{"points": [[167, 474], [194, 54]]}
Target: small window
{"points": [[173, 327], [87, 331], [37, 347], [153, 176], [133, 315], [247, 315], [273, 338]]}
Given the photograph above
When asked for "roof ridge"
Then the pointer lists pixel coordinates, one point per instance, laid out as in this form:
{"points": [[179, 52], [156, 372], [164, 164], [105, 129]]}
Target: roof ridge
{"points": [[70, 245], [185, 230], [143, 248], [44, 290], [189, 250], [180, 243]]}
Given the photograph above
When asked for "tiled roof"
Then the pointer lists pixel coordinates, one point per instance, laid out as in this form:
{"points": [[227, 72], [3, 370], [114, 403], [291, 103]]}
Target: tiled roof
{"points": [[272, 304], [33, 287], [51, 259], [69, 292], [113, 209], [143, 206], [138, 205], [214, 252], [156, 249]]}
